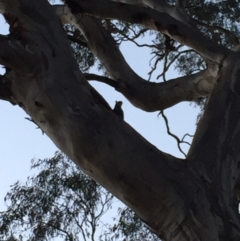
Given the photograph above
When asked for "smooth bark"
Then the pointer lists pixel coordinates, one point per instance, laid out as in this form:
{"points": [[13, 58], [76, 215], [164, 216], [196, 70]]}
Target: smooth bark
{"points": [[148, 96]]}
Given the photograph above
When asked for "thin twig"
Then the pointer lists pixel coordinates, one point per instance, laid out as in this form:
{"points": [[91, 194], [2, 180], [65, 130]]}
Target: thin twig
{"points": [[179, 142]]}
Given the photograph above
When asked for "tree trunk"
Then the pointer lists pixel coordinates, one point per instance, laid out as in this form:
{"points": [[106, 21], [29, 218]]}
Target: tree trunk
{"points": [[192, 199]]}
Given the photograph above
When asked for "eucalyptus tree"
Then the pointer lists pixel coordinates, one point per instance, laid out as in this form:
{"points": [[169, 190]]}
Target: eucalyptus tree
{"points": [[195, 198], [60, 202]]}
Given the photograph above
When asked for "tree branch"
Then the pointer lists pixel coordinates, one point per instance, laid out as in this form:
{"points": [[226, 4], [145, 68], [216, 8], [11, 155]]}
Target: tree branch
{"points": [[13, 50], [5, 90], [232, 36], [179, 142], [141, 93], [181, 3], [158, 5], [102, 79], [152, 19], [77, 41]]}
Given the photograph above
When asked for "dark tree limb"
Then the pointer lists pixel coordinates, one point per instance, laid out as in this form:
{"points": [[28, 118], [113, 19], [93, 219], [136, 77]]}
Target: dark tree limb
{"points": [[181, 3], [152, 19], [103, 79], [5, 90], [133, 87], [179, 142], [77, 41]]}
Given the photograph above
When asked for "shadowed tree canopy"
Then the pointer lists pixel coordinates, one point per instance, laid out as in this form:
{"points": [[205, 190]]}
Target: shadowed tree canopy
{"points": [[195, 198], [63, 203]]}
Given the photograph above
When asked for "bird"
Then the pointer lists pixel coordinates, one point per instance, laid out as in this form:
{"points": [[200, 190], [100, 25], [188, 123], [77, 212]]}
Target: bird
{"points": [[118, 109]]}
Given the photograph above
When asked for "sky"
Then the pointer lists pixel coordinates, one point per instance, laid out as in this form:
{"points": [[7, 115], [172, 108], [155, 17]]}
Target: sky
{"points": [[20, 141]]}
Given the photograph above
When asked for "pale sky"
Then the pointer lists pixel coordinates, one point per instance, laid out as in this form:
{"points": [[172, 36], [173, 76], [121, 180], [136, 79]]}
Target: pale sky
{"points": [[20, 141]]}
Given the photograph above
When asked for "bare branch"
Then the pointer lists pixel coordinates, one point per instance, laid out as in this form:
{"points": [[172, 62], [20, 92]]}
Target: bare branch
{"points": [[179, 142], [102, 79], [132, 39], [158, 59], [182, 140], [168, 65]]}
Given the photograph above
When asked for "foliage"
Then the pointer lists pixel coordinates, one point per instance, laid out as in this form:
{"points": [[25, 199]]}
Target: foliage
{"points": [[83, 55], [61, 201], [129, 225]]}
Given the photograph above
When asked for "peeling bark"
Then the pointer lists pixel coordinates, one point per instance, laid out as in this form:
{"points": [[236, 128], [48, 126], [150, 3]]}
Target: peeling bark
{"points": [[192, 199]]}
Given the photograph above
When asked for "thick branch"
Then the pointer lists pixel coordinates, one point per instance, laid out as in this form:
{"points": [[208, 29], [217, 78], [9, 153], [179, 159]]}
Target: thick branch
{"points": [[141, 93], [5, 90], [158, 5], [176, 11], [217, 120], [102, 79], [12, 49], [152, 19], [216, 142]]}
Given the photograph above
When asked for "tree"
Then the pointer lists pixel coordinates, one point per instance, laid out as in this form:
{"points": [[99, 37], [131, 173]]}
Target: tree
{"points": [[195, 198], [62, 202]]}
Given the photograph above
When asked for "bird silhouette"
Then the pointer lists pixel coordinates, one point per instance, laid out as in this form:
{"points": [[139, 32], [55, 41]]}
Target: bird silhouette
{"points": [[118, 109]]}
